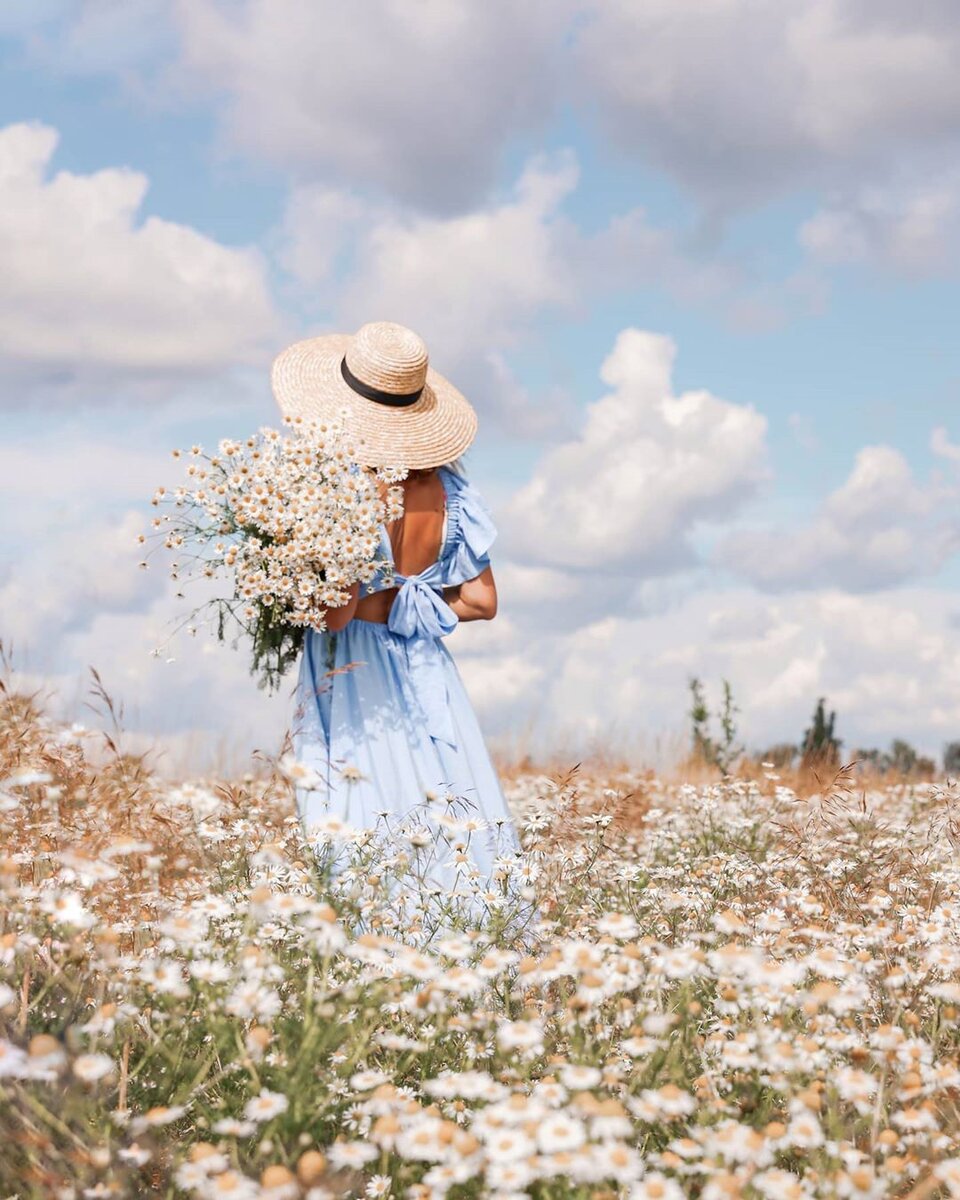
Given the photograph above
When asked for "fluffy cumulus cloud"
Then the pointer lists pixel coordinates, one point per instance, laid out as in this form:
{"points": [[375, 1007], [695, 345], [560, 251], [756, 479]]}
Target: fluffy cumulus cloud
{"points": [[72, 597], [477, 279], [646, 469], [87, 285], [44, 596], [880, 527], [89, 37], [79, 600], [889, 663], [57, 482], [942, 446], [503, 264], [384, 92], [194, 705], [592, 648], [422, 103], [394, 125], [846, 88], [473, 285], [912, 227], [488, 273], [479, 284]]}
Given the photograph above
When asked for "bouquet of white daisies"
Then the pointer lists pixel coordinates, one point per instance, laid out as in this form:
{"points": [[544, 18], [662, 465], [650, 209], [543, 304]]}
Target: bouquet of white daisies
{"points": [[289, 521]]}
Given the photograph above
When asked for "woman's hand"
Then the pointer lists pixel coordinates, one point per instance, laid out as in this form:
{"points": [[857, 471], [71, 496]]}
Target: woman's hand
{"points": [[475, 600], [338, 617]]}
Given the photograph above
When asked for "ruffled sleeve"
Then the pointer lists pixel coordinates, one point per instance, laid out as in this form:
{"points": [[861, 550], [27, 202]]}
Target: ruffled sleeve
{"points": [[470, 532]]}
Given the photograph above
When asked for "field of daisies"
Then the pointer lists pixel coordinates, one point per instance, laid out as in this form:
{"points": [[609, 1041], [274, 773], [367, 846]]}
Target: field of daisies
{"points": [[714, 991]]}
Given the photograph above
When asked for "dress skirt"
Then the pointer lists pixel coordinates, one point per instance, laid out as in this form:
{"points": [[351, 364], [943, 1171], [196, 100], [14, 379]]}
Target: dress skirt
{"points": [[385, 726]]}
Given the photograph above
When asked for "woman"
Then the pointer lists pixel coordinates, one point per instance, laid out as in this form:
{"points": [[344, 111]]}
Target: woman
{"points": [[382, 715]]}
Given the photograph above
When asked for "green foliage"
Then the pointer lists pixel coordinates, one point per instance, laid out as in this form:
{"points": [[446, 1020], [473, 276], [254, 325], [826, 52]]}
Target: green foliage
{"points": [[905, 760], [275, 644], [820, 746], [781, 754], [699, 720], [878, 759], [276, 647], [900, 759], [724, 752]]}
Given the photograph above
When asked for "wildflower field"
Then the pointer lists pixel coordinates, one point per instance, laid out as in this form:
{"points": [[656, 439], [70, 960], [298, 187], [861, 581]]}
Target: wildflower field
{"points": [[721, 990]]}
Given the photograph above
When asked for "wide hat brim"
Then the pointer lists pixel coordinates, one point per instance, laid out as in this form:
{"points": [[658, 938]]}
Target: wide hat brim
{"points": [[436, 429]]}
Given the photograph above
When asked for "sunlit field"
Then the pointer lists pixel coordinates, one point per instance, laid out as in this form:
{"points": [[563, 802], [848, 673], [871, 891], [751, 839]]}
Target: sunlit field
{"points": [[721, 988]]}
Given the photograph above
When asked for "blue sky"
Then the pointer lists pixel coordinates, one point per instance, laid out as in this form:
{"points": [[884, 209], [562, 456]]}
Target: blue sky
{"points": [[766, 197]]}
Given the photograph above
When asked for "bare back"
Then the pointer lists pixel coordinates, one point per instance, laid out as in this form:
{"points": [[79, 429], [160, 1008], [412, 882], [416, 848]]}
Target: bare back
{"points": [[416, 539]]}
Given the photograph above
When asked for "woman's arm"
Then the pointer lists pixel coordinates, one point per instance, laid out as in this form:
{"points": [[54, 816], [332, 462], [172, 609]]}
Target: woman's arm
{"points": [[338, 617], [475, 600]]}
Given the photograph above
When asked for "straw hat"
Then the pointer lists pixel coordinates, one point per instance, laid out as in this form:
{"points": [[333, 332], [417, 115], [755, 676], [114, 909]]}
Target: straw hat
{"points": [[406, 414]]}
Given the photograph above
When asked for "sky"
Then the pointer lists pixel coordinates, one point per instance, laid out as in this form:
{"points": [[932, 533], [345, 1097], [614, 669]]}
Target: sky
{"points": [[695, 263]]}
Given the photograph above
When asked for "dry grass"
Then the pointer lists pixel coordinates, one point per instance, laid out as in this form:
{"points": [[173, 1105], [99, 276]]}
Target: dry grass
{"points": [[747, 987]]}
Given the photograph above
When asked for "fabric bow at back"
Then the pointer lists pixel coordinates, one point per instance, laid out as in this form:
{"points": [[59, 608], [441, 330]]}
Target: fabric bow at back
{"points": [[421, 616]]}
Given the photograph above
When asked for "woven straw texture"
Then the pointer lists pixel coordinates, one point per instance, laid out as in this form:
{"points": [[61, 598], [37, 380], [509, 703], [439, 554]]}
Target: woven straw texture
{"points": [[307, 382]]}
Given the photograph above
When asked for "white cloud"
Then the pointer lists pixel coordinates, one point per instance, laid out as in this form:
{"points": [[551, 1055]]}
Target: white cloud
{"points": [[476, 283], [479, 284], [72, 595], [567, 665], [499, 682], [802, 428], [648, 466], [889, 663], [468, 283], [739, 98], [913, 228], [196, 708], [90, 37], [75, 573], [78, 600], [879, 528], [417, 99], [941, 445], [318, 229], [85, 285], [73, 476], [205, 691], [858, 100], [421, 100]]}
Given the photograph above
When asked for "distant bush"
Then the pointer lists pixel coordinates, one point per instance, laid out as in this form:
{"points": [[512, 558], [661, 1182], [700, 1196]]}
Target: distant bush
{"points": [[780, 755], [900, 759], [821, 747]]}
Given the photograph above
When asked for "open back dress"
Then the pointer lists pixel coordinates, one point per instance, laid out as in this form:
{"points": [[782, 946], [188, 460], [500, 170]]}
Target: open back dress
{"points": [[383, 719]]}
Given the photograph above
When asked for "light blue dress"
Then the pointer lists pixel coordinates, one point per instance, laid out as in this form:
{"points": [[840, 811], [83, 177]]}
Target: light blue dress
{"points": [[384, 720]]}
